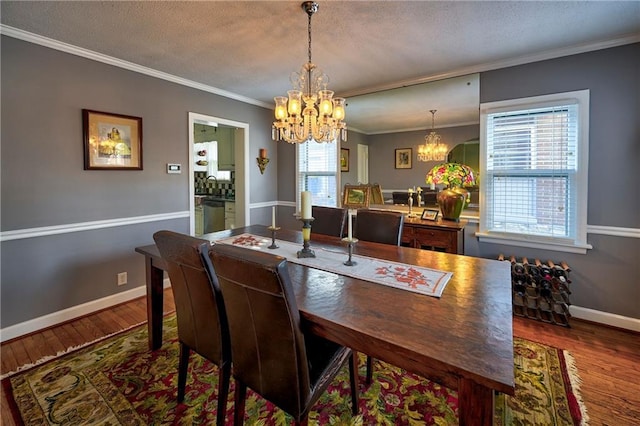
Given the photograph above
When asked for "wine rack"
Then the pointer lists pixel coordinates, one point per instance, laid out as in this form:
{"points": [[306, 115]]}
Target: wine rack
{"points": [[540, 290]]}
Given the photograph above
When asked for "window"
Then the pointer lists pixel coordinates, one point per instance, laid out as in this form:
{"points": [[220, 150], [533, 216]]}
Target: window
{"points": [[318, 172], [533, 178]]}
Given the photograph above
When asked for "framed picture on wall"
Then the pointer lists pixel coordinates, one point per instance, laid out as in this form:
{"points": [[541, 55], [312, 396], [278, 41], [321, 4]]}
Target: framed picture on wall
{"points": [[403, 158], [111, 141], [344, 160]]}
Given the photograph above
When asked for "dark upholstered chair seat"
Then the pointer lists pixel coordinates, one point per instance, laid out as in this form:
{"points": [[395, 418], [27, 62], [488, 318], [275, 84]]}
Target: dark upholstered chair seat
{"points": [[272, 354], [200, 313]]}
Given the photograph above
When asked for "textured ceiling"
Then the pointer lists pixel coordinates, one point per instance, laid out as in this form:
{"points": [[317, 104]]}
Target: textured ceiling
{"points": [[250, 48]]}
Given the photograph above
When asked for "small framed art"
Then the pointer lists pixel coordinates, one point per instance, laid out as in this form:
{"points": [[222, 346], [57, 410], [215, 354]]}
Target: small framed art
{"points": [[429, 214], [344, 159], [403, 158], [111, 141]]}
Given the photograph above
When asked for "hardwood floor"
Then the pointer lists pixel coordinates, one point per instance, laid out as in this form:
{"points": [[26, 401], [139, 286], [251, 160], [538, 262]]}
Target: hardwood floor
{"points": [[608, 359]]}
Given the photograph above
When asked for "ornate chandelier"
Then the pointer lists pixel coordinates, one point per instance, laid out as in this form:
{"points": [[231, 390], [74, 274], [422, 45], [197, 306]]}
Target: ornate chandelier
{"points": [[433, 149], [321, 118]]}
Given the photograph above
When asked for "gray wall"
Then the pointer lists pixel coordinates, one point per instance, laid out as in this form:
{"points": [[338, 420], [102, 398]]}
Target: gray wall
{"points": [[353, 140], [606, 278], [43, 182]]}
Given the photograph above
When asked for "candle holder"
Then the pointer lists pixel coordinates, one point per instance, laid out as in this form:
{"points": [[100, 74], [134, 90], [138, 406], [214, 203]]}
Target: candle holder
{"points": [[306, 236], [350, 243], [410, 200], [273, 230], [262, 164]]}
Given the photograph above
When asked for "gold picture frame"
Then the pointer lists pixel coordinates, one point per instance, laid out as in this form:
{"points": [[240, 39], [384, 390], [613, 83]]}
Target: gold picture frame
{"points": [[403, 158], [376, 194], [344, 159], [356, 196], [111, 141]]}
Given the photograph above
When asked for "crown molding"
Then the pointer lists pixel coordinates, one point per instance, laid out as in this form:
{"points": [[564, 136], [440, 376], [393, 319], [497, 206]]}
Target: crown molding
{"points": [[506, 63], [99, 57]]}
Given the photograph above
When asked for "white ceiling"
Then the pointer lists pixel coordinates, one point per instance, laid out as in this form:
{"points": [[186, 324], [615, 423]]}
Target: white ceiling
{"points": [[248, 49]]}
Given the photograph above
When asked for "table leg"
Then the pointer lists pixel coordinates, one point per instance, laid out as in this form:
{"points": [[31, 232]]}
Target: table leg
{"points": [[475, 403], [155, 302]]}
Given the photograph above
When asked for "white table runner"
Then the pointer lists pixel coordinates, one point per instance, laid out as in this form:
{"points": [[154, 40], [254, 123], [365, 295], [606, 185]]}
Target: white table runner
{"points": [[418, 279]]}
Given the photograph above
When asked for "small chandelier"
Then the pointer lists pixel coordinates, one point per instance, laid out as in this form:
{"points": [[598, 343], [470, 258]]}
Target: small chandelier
{"points": [[433, 149], [321, 118]]}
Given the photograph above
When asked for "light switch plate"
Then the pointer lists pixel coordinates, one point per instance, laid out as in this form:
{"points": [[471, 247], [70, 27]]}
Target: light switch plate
{"points": [[174, 168]]}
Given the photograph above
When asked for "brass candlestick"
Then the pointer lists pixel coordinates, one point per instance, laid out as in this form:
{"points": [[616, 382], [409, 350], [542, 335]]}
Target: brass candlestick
{"points": [[350, 243], [306, 237], [273, 230]]}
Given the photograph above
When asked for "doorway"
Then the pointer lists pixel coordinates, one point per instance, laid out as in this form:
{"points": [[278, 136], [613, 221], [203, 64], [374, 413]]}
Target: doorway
{"points": [[363, 163], [240, 136]]}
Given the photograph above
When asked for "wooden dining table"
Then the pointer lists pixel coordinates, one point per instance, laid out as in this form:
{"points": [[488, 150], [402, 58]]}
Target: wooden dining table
{"points": [[462, 340]]}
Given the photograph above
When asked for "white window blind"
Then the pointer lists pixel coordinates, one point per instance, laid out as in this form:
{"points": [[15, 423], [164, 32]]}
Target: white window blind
{"points": [[318, 172], [533, 175]]}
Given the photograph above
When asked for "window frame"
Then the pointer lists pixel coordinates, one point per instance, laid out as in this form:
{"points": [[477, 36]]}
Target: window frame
{"points": [[580, 185], [336, 173]]}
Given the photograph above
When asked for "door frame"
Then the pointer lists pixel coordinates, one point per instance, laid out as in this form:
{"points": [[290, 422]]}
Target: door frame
{"points": [[241, 170]]}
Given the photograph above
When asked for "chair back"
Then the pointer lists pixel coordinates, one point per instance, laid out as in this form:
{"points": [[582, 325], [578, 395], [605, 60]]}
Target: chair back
{"points": [[267, 342], [200, 311], [379, 226], [328, 221]]}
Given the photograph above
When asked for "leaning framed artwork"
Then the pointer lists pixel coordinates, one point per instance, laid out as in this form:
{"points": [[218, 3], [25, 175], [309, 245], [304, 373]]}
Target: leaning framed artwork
{"points": [[403, 158], [344, 159], [356, 196], [111, 141]]}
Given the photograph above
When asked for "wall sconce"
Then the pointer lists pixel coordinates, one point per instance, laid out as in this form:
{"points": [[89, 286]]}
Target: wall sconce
{"points": [[262, 160]]}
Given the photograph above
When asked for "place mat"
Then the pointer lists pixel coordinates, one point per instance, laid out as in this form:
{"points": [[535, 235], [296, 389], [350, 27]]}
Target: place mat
{"points": [[418, 279]]}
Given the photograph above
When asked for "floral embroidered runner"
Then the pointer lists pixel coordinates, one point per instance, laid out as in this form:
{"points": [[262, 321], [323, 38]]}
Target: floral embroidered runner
{"points": [[427, 281]]}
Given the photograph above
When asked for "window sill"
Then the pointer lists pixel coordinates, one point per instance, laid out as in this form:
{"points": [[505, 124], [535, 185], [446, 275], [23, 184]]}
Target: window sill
{"points": [[537, 244]]}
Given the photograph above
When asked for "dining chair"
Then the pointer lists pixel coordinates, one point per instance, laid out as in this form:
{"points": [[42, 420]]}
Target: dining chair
{"points": [[273, 354], [328, 220], [378, 226], [200, 311]]}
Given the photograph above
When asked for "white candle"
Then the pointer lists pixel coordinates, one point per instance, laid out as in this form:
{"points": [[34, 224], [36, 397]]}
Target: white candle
{"points": [[306, 204], [273, 217], [349, 227]]}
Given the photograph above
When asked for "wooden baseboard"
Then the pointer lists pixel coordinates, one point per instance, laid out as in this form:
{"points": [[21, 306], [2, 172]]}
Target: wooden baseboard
{"points": [[59, 317], [605, 318]]}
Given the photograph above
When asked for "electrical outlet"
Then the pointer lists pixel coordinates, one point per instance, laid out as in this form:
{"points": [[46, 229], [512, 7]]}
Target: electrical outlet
{"points": [[122, 278]]}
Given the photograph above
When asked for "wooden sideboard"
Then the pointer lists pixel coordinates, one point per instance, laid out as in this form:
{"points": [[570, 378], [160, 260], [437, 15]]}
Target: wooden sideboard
{"points": [[440, 235]]}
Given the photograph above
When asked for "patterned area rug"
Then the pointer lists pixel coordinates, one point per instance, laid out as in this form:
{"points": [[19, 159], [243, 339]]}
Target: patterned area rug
{"points": [[118, 381]]}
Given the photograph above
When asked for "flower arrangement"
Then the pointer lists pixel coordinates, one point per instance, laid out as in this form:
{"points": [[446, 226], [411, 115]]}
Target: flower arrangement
{"points": [[451, 174]]}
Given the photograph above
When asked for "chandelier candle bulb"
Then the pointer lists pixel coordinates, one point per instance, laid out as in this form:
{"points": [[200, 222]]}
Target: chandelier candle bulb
{"points": [[306, 204]]}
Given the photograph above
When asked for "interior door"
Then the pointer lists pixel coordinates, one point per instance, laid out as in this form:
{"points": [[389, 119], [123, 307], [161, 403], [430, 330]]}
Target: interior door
{"points": [[363, 163]]}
